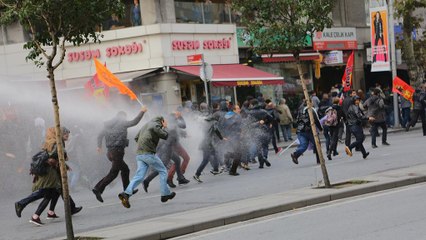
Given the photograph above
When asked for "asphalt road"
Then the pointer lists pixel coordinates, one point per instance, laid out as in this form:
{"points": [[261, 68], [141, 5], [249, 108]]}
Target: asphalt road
{"points": [[405, 150], [393, 214]]}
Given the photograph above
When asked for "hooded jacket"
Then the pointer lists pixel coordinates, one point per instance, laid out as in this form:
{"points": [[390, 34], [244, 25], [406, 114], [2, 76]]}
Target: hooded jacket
{"points": [[375, 106], [149, 136], [115, 131]]}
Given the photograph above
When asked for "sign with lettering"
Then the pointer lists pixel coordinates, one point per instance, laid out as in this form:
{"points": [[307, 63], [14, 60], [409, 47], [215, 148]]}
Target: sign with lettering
{"points": [[335, 39], [114, 51], [224, 43]]}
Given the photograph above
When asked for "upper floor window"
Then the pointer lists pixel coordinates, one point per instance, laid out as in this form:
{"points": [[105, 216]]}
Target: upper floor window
{"points": [[132, 17], [205, 11]]}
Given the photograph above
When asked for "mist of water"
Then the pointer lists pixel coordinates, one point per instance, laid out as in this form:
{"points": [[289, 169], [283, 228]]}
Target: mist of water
{"points": [[26, 111]]}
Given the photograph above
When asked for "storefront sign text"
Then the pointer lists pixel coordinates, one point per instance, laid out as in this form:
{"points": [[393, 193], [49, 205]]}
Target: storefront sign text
{"points": [[195, 44], [249, 83], [87, 55], [335, 39]]}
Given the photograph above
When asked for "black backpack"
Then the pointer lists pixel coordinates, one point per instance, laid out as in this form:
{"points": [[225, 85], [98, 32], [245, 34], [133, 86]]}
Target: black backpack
{"points": [[39, 165]]}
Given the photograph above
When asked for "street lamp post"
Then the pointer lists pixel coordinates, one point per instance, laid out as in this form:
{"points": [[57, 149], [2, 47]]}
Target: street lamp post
{"points": [[393, 60]]}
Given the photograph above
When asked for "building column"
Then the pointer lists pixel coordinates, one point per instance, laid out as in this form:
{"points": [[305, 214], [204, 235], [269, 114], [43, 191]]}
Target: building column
{"points": [[166, 82], [358, 81], [157, 11]]}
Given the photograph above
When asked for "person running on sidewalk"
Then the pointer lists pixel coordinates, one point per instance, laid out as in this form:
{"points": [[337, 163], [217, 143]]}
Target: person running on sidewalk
{"points": [[347, 102], [419, 108], [304, 132], [166, 151], [355, 118], [208, 147], [232, 129], [48, 186], [375, 106], [147, 139], [115, 134]]}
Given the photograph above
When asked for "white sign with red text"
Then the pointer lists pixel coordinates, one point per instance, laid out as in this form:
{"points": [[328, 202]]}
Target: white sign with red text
{"points": [[335, 39]]}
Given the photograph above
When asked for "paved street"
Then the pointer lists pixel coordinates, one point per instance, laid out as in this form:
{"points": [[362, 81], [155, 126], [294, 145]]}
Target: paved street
{"points": [[390, 215], [281, 177]]}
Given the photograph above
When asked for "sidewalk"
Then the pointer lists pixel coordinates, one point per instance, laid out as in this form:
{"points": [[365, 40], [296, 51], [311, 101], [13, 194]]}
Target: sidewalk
{"points": [[178, 224]]}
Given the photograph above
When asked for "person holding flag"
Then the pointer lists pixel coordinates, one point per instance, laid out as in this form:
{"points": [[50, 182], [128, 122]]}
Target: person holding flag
{"points": [[115, 134]]}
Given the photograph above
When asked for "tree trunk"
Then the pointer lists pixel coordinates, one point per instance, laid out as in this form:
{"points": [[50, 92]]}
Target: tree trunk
{"points": [[62, 165], [313, 126]]}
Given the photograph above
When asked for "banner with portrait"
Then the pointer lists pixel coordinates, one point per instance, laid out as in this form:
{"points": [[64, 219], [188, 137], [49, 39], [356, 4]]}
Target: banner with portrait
{"points": [[380, 54]]}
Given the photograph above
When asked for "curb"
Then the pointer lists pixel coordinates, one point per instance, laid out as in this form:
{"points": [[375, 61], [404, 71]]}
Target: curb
{"points": [[179, 224]]}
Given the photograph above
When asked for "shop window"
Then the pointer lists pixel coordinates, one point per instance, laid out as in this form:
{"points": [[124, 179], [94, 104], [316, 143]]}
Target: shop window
{"points": [[132, 17], [204, 11]]}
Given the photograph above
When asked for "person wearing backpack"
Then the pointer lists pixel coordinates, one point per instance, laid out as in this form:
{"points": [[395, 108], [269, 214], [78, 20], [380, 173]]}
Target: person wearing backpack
{"points": [[335, 122], [304, 132], [419, 99], [45, 187], [48, 186], [115, 134]]}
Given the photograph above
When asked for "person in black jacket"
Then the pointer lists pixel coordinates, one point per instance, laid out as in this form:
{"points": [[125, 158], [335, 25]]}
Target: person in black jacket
{"points": [[419, 99], [115, 134], [347, 102], [207, 146], [261, 125], [304, 132], [354, 118]]}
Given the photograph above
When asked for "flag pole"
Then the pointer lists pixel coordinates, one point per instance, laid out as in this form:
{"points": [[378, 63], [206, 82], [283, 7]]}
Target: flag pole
{"points": [[139, 101]]}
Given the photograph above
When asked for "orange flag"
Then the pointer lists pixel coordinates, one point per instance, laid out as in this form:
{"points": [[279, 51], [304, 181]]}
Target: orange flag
{"points": [[403, 89], [111, 80]]}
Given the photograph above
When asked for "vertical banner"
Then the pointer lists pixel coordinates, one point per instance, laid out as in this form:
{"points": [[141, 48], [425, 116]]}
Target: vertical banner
{"points": [[379, 39], [347, 75]]}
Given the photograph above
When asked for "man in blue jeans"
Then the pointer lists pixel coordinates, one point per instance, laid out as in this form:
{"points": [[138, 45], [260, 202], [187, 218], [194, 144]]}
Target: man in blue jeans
{"points": [[147, 139], [304, 133]]}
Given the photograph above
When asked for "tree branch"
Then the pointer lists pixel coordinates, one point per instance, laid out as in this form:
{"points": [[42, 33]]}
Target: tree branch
{"points": [[62, 56], [37, 43]]}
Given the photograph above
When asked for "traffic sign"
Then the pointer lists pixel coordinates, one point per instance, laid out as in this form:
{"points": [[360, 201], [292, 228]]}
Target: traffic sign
{"points": [[206, 72]]}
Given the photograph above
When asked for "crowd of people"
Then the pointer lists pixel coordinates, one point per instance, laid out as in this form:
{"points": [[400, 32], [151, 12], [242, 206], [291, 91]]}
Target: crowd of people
{"points": [[234, 137]]}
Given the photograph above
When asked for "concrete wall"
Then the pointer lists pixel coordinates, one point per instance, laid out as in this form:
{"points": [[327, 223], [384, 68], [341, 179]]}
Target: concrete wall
{"points": [[156, 41]]}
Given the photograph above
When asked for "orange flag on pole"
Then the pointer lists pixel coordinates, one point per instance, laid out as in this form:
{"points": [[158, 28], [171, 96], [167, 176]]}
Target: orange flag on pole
{"points": [[403, 89], [111, 80]]}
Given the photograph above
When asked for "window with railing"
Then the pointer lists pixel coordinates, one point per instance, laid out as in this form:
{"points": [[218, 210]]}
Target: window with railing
{"points": [[132, 17], [205, 12]]}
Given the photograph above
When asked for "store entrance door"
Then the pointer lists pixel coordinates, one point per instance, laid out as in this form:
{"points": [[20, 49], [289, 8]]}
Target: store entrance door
{"points": [[244, 92]]}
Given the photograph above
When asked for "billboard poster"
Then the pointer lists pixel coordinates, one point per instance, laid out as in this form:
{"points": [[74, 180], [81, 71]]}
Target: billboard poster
{"points": [[379, 40]]}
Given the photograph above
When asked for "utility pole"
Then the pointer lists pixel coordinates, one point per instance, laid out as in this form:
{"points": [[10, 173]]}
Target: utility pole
{"points": [[393, 60]]}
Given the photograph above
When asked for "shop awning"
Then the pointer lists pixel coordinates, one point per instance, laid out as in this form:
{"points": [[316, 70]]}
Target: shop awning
{"points": [[231, 75], [276, 58]]}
